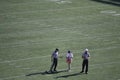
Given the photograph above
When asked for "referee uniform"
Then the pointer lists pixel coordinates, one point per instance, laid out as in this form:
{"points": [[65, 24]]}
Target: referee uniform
{"points": [[85, 57], [54, 59]]}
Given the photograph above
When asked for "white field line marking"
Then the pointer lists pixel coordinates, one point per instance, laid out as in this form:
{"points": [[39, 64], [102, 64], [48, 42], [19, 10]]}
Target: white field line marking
{"points": [[21, 4], [92, 67], [63, 2], [26, 68], [18, 66], [51, 10], [51, 19], [107, 48], [11, 64], [12, 77], [116, 14], [32, 3], [107, 63], [54, 0], [24, 59], [108, 12], [40, 19], [24, 43], [55, 28], [20, 44]]}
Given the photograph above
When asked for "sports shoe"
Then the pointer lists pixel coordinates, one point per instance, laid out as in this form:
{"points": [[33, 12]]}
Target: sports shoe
{"points": [[86, 73], [55, 70], [81, 71]]}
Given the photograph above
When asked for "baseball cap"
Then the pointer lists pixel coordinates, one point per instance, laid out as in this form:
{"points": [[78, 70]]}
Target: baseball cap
{"points": [[86, 49]]}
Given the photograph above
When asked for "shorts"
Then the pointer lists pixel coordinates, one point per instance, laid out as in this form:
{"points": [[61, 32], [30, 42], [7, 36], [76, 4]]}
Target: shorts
{"points": [[68, 60]]}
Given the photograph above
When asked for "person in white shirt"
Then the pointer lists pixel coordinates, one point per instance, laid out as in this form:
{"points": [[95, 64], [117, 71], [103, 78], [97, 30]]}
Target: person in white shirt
{"points": [[69, 57], [54, 59], [85, 57]]}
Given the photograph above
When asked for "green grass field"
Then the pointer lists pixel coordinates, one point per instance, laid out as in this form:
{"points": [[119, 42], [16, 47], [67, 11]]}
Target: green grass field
{"points": [[30, 30]]}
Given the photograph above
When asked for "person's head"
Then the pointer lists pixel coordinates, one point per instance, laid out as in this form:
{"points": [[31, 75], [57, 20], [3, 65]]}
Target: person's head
{"points": [[69, 51], [56, 50], [86, 50]]}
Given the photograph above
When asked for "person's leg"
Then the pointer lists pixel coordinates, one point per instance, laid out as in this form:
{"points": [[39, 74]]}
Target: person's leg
{"points": [[69, 66], [86, 66], [52, 65], [83, 66], [56, 62]]}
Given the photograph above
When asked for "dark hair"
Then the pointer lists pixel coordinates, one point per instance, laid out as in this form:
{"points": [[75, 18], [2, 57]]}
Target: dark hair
{"points": [[69, 51], [56, 49]]}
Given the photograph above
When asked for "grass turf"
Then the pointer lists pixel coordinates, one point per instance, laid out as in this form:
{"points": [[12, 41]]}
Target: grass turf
{"points": [[31, 30]]}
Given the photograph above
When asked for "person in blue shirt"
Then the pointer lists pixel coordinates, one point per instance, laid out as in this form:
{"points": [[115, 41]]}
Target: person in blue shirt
{"points": [[85, 57]]}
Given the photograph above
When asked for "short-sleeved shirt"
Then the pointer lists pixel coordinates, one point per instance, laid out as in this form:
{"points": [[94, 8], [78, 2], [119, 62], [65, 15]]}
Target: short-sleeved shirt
{"points": [[69, 55], [55, 55], [86, 55]]}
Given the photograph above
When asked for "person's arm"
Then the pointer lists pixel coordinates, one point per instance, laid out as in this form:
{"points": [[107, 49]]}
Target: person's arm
{"points": [[88, 55], [83, 56], [51, 57], [71, 55]]}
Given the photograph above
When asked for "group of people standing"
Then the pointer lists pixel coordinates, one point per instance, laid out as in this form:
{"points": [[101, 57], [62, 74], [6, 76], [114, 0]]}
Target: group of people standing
{"points": [[69, 57]]}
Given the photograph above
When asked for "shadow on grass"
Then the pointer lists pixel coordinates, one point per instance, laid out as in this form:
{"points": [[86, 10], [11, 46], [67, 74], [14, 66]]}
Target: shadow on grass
{"points": [[45, 72], [110, 2], [116, 0], [69, 75]]}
